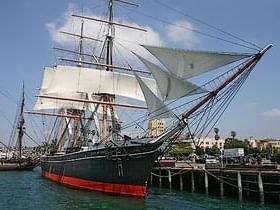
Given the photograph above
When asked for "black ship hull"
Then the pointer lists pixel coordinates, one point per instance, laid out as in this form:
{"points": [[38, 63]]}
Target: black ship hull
{"points": [[119, 170]]}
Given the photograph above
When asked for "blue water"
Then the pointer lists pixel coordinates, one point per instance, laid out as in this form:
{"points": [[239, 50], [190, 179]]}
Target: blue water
{"points": [[28, 190]]}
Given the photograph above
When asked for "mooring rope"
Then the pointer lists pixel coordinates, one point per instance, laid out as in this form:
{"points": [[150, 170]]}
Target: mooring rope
{"points": [[183, 171], [228, 183]]}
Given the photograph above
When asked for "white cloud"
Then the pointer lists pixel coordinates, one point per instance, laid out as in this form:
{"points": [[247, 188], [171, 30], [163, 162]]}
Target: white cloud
{"points": [[126, 40], [272, 113], [67, 23], [181, 32]]}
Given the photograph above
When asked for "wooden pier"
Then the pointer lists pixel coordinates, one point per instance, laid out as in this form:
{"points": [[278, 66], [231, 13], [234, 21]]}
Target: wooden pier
{"points": [[258, 183]]}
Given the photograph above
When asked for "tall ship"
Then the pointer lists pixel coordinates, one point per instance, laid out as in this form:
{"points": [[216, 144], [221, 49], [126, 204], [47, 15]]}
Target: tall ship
{"points": [[12, 157], [111, 122]]}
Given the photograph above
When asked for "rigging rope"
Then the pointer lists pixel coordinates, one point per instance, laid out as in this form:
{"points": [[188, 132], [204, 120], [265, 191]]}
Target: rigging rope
{"points": [[206, 24], [229, 94], [32, 121], [198, 32], [143, 118], [228, 101]]}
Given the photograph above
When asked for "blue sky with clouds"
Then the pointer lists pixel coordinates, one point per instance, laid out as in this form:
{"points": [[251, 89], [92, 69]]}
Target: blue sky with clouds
{"points": [[28, 34]]}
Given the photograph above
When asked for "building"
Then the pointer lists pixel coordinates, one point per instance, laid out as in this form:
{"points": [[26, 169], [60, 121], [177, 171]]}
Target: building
{"points": [[263, 143], [252, 142], [209, 142], [156, 127], [206, 142]]}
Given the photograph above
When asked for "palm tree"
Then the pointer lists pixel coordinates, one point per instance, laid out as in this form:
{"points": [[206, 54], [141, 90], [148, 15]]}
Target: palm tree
{"points": [[217, 136], [233, 134]]}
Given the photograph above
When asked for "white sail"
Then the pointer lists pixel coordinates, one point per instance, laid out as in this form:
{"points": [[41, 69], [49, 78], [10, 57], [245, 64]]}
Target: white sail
{"points": [[171, 86], [156, 108], [47, 103], [187, 63], [47, 78], [78, 83]]}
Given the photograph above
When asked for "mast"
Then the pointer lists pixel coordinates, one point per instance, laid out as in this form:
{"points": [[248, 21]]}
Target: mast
{"points": [[72, 125], [21, 125], [109, 37], [109, 63], [109, 124], [81, 42], [115, 128]]}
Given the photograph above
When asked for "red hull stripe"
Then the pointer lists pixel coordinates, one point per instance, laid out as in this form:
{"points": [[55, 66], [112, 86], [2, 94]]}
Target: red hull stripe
{"points": [[124, 189]]}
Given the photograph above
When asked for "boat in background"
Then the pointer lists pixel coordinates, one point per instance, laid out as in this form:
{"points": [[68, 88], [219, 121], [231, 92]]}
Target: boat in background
{"points": [[89, 147], [16, 164], [12, 158]]}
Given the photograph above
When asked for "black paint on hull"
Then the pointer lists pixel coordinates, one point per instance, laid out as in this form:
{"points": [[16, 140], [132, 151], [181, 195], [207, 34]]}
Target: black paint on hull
{"points": [[127, 165]]}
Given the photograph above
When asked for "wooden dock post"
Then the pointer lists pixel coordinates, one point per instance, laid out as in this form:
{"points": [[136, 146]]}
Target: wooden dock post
{"points": [[239, 184], [192, 181], [160, 181], [247, 189], [221, 185], [181, 182], [278, 193], [247, 186], [261, 187], [206, 182], [169, 179]]}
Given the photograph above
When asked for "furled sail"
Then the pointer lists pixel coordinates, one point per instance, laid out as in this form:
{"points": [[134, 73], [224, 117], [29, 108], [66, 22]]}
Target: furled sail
{"points": [[79, 83], [156, 108], [188, 63], [171, 86]]}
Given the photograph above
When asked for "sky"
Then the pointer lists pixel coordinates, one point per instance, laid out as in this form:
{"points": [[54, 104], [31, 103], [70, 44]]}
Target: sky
{"points": [[29, 33]]}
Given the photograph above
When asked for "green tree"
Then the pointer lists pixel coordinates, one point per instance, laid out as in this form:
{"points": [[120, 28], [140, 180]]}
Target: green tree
{"points": [[212, 151], [199, 151], [231, 143], [254, 150], [276, 151], [181, 150], [267, 151], [248, 149]]}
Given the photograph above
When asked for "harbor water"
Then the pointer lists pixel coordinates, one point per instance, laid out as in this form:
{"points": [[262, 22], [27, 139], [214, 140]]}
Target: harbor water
{"points": [[28, 190]]}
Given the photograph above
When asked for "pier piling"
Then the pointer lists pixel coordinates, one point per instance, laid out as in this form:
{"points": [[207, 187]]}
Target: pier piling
{"points": [[192, 181], [160, 181], [221, 188], [261, 187], [259, 183], [239, 184], [181, 182], [169, 179], [247, 188], [206, 182]]}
